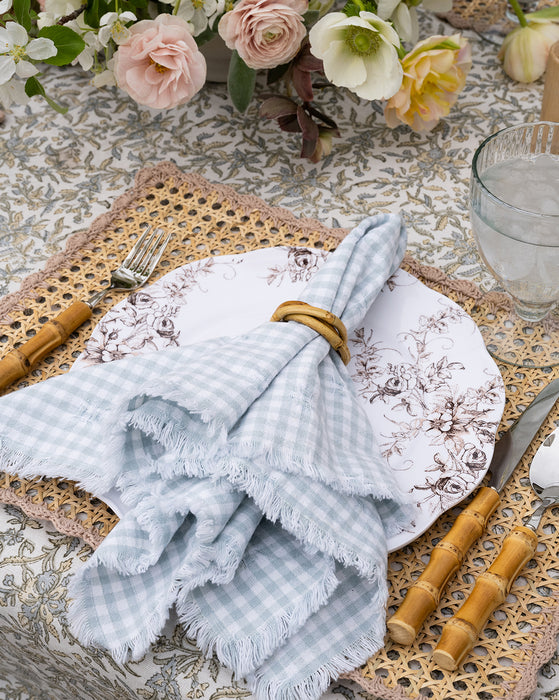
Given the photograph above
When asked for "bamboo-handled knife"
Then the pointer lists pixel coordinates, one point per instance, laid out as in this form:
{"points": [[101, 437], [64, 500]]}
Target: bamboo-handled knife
{"points": [[462, 631], [424, 595]]}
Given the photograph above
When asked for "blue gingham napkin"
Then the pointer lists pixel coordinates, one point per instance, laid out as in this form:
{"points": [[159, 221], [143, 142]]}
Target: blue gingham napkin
{"points": [[256, 499]]}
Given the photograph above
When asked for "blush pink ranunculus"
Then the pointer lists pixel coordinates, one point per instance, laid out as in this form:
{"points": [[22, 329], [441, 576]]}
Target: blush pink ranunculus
{"points": [[160, 65], [435, 72], [265, 33]]}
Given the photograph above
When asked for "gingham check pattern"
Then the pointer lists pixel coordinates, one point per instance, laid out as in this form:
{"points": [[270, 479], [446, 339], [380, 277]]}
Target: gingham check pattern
{"points": [[255, 497]]}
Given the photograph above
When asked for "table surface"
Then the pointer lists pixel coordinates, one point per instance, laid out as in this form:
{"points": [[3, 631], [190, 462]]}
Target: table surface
{"points": [[59, 172]]}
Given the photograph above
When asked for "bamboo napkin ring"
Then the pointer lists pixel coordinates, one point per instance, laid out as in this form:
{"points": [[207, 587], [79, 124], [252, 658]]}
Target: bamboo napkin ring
{"points": [[324, 322]]}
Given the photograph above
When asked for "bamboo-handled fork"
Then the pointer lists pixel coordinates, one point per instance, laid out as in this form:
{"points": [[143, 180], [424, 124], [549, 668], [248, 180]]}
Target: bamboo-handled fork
{"points": [[134, 272]]}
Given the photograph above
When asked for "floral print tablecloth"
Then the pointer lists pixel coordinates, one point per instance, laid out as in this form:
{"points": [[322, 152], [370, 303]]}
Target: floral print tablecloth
{"points": [[58, 172]]}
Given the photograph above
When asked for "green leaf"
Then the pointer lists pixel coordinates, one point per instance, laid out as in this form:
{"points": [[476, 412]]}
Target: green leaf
{"points": [[91, 13], [240, 82], [446, 44], [204, 36], [68, 43], [311, 17], [351, 10], [33, 87], [22, 11], [354, 7], [94, 11], [132, 6], [276, 73], [545, 13]]}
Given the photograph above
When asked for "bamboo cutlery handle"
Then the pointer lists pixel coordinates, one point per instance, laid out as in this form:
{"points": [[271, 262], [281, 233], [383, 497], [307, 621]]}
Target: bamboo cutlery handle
{"points": [[447, 556], [19, 362], [491, 588]]}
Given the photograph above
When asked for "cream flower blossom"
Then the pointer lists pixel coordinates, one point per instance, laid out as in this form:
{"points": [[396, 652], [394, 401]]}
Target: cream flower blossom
{"points": [[5, 6], [13, 92], [15, 49], [359, 53], [106, 77], [58, 8], [87, 57], [525, 50], [200, 13], [404, 18], [112, 25], [434, 74]]}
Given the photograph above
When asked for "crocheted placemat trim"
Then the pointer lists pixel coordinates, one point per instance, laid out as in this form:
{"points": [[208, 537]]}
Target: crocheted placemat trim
{"points": [[145, 178], [58, 518]]}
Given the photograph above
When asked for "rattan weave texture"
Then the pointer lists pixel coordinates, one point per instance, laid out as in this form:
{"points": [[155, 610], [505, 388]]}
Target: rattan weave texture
{"points": [[483, 15], [212, 219]]}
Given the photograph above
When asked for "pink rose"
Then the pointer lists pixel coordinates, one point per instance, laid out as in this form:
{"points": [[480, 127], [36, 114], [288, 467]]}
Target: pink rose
{"points": [[160, 65], [265, 33]]}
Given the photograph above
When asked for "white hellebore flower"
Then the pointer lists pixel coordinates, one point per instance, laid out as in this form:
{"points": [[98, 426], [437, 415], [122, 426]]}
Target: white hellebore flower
{"points": [[5, 6], [358, 53], [15, 48], [113, 26]]}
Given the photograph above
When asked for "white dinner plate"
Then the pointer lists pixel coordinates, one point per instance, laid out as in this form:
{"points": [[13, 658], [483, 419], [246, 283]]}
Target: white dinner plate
{"points": [[432, 393]]}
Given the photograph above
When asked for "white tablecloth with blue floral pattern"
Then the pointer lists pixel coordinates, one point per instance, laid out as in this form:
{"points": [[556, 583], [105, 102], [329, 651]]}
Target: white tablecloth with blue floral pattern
{"points": [[59, 172]]}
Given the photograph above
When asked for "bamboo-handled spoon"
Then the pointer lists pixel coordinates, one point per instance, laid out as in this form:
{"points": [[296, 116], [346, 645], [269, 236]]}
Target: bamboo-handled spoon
{"points": [[462, 631]]}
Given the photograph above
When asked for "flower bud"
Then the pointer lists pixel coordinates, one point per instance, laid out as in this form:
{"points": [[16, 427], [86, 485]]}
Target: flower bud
{"points": [[525, 50]]}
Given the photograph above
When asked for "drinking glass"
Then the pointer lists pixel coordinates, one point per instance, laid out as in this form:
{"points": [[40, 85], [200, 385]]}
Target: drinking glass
{"points": [[514, 212]]}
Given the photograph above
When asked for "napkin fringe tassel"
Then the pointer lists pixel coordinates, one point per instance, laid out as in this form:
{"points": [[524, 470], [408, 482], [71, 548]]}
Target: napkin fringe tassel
{"points": [[205, 566], [194, 456], [133, 649], [216, 563], [258, 486], [304, 529], [317, 683], [17, 463], [243, 655]]}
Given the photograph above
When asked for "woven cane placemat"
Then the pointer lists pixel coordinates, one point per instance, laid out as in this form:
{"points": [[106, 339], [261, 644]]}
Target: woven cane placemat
{"points": [[210, 219]]}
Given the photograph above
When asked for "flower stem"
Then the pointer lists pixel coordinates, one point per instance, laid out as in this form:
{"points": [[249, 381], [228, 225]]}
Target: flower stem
{"points": [[518, 12], [73, 15]]}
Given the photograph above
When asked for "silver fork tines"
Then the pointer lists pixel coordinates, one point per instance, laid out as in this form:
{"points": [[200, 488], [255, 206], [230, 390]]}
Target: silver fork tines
{"points": [[132, 274], [137, 267]]}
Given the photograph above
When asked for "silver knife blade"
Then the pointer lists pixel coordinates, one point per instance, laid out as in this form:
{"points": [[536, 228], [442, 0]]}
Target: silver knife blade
{"points": [[516, 440]]}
